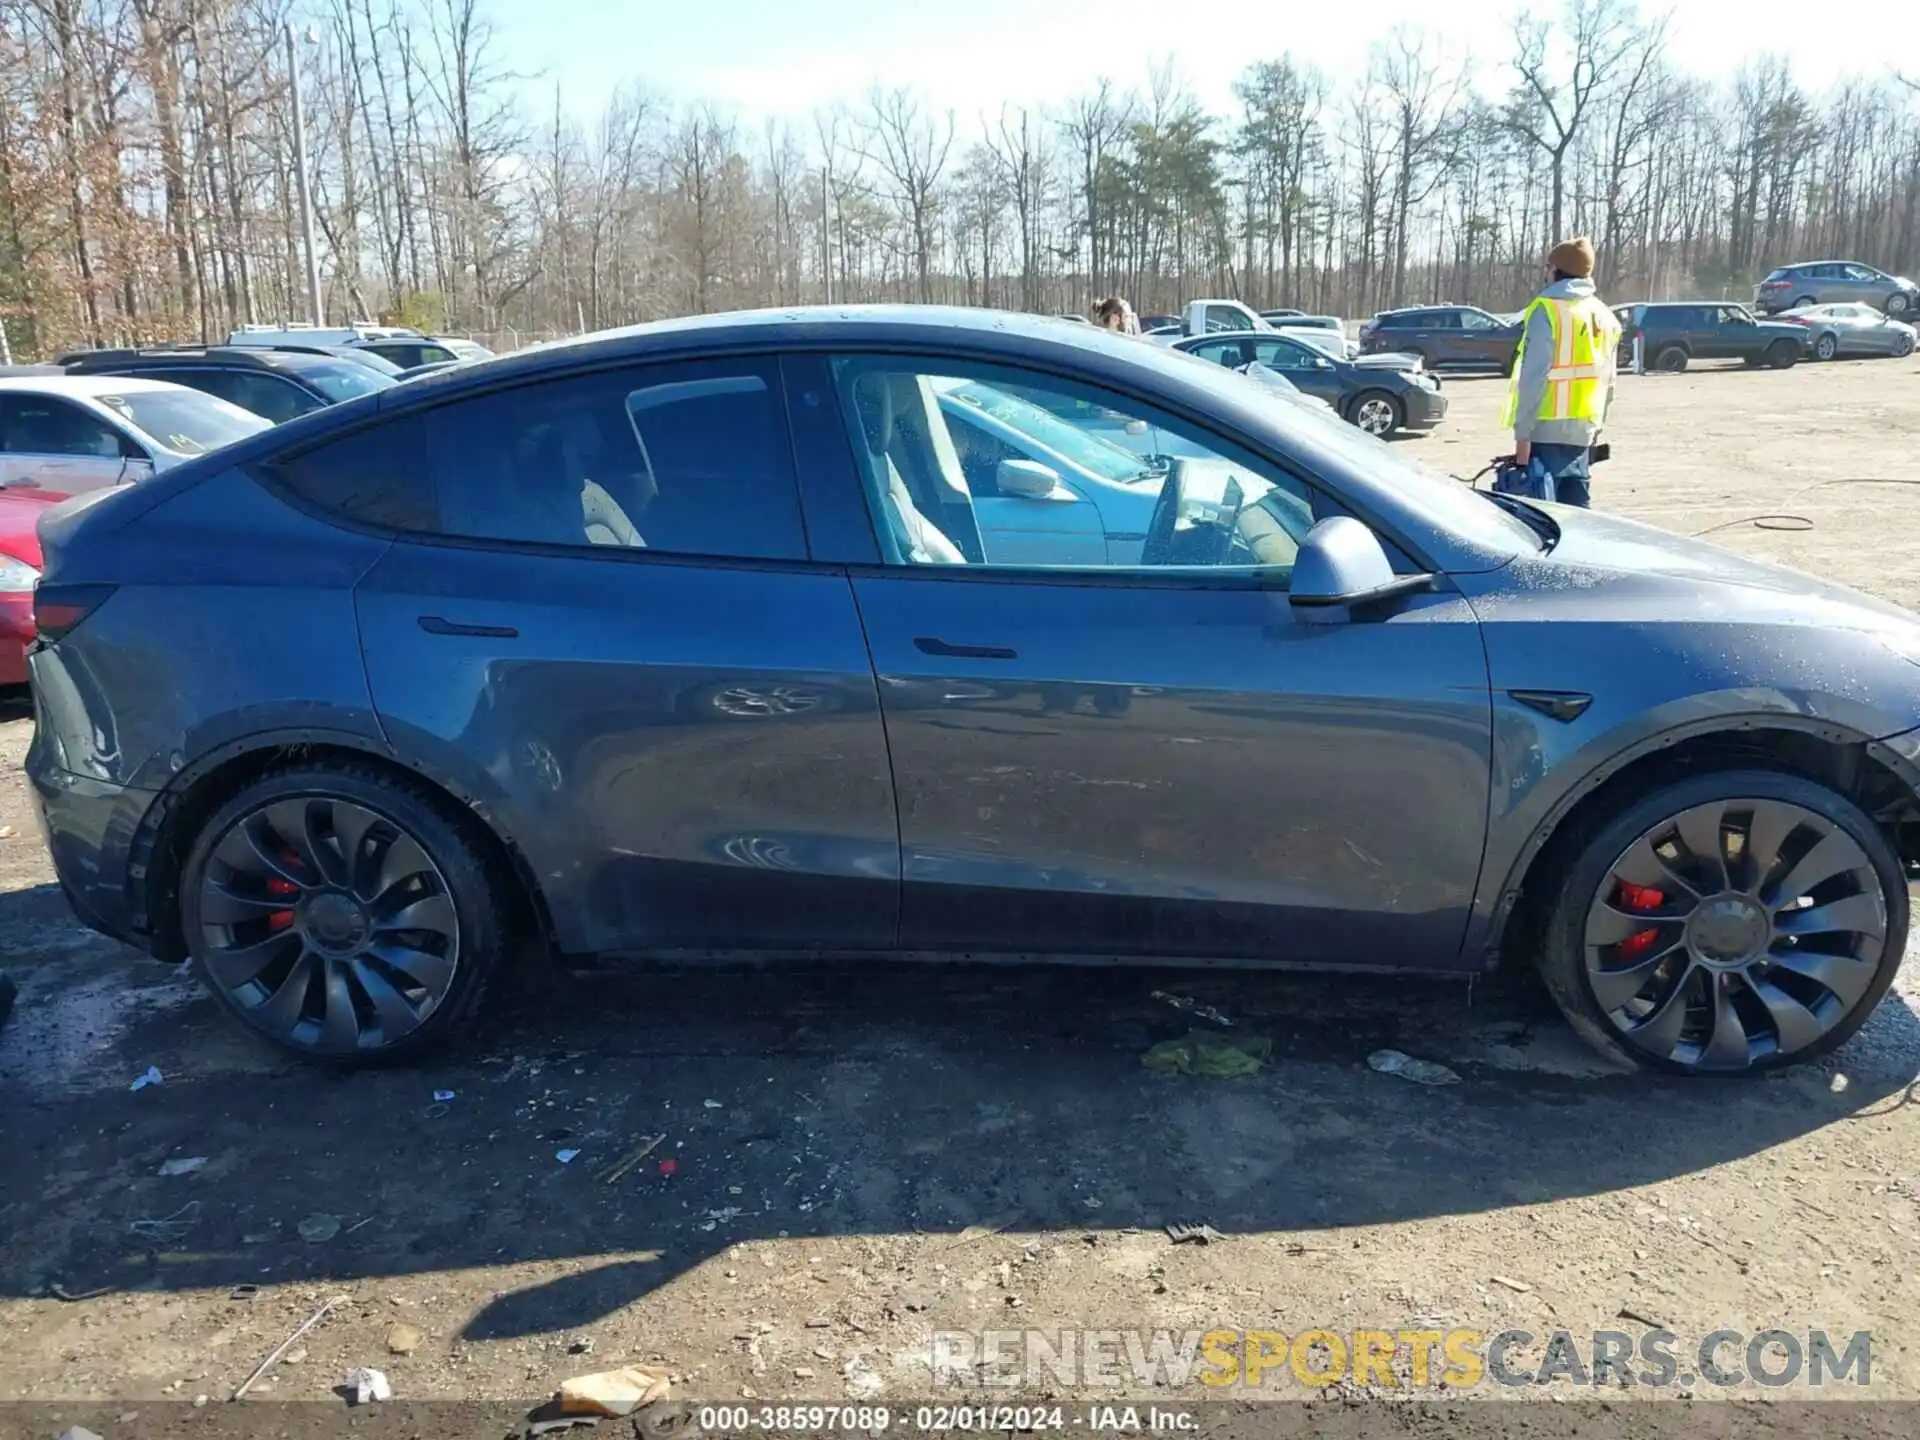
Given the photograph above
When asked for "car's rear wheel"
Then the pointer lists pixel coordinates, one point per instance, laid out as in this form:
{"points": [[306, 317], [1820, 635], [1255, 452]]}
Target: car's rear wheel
{"points": [[1670, 358], [1727, 924], [1376, 412], [1898, 304], [1783, 354], [1902, 346], [1802, 302], [1826, 347], [341, 913]]}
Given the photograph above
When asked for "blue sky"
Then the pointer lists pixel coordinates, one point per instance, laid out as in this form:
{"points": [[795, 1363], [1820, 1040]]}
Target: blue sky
{"points": [[783, 57]]}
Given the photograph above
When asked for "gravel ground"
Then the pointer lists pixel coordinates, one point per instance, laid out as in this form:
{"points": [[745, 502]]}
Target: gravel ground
{"points": [[859, 1158]]}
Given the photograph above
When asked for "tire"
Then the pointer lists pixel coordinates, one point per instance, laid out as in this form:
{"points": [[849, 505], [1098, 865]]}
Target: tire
{"points": [[1826, 347], [1902, 347], [1376, 412], [1804, 300], [283, 894], [1777, 815], [1783, 354], [1670, 358], [1898, 304]]}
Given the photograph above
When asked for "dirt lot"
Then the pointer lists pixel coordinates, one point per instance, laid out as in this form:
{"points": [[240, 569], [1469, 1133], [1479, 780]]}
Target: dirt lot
{"points": [[863, 1157]]}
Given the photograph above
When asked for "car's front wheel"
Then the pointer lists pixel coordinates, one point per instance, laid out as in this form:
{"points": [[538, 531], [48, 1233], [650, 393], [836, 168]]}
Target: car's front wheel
{"points": [[1783, 354], [1376, 412], [1902, 346], [341, 913], [1727, 924]]}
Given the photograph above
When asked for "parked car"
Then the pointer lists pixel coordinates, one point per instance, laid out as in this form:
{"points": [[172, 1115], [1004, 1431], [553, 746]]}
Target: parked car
{"points": [[344, 352], [1672, 336], [1852, 329], [20, 512], [1460, 337], [1381, 399], [687, 678], [303, 334], [280, 385], [64, 435], [1836, 282], [410, 353]]}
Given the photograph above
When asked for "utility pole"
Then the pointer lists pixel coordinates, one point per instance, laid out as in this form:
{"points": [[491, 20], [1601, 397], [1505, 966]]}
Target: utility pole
{"points": [[314, 299], [826, 231]]}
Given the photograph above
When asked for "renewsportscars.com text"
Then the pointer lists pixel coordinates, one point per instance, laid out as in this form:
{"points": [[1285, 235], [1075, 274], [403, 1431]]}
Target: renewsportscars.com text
{"points": [[1406, 1358]]}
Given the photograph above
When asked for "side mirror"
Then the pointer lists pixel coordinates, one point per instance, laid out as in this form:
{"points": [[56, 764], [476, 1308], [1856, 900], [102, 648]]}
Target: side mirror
{"points": [[1342, 567], [1136, 427], [1321, 362], [135, 468], [1028, 479]]}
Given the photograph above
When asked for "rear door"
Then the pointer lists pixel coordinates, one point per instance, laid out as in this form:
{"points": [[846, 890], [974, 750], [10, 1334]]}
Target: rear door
{"points": [[58, 448], [601, 622]]}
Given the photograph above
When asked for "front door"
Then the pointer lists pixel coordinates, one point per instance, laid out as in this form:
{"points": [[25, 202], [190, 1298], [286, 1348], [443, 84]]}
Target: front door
{"points": [[604, 627], [1159, 759], [55, 447]]}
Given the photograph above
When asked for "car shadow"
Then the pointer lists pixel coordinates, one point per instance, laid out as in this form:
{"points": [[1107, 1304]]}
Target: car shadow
{"points": [[818, 1100]]}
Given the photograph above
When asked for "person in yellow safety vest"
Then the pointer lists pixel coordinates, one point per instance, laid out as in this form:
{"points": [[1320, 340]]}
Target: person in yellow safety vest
{"points": [[1562, 381]]}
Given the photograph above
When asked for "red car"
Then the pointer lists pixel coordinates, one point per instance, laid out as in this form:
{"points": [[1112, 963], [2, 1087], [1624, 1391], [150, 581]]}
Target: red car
{"points": [[20, 566], [20, 511]]}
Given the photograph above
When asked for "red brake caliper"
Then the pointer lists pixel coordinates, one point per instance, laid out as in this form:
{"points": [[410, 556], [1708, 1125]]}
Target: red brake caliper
{"points": [[1644, 900], [281, 919]]}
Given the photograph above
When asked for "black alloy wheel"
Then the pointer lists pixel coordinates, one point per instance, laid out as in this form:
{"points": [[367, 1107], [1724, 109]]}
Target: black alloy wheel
{"points": [[340, 915], [1672, 359], [1736, 924]]}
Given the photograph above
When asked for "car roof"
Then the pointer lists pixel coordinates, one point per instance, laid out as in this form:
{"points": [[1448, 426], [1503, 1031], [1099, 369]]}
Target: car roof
{"points": [[85, 387], [258, 357]]}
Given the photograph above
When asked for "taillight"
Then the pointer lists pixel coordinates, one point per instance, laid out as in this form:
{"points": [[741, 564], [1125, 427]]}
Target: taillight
{"points": [[59, 609]]}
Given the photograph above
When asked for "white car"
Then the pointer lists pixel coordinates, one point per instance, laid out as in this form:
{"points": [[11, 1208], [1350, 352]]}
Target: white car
{"points": [[68, 434]]}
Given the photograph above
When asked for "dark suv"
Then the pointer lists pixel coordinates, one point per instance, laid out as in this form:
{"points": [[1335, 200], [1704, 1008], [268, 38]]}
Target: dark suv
{"points": [[1672, 336], [277, 385], [1457, 336]]}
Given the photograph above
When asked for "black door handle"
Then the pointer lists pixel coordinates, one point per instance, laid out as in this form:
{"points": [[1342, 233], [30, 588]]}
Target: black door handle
{"points": [[927, 645], [435, 625]]}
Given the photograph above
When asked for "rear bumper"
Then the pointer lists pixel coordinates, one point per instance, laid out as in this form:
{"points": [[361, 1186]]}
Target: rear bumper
{"points": [[16, 633], [89, 827]]}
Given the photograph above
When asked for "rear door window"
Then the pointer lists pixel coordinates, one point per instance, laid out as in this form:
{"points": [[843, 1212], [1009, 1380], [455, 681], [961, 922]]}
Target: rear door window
{"points": [[692, 459]]}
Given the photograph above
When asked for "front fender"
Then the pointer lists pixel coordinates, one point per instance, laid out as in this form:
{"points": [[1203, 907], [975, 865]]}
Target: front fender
{"points": [[1543, 769]]}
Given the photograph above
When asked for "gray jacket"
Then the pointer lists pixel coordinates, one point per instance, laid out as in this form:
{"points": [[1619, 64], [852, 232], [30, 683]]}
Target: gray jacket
{"points": [[1536, 359]]}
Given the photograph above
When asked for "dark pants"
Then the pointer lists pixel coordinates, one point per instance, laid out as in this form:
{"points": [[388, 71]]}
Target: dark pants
{"points": [[1567, 464]]}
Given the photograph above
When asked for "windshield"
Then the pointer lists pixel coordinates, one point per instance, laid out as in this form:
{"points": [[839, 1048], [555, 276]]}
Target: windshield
{"points": [[1089, 452], [344, 380], [184, 421]]}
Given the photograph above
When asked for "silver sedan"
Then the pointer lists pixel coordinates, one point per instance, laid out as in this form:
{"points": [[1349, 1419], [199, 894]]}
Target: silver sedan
{"points": [[1852, 329]]}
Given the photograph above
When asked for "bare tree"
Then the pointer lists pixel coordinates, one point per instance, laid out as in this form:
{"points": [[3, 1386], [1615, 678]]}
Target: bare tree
{"points": [[911, 149]]}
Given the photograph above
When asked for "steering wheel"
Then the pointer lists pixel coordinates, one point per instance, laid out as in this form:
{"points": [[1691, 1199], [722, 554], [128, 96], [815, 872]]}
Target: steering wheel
{"points": [[1158, 548]]}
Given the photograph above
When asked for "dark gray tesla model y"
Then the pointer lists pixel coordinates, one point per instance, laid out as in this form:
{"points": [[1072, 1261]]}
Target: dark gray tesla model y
{"points": [[694, 637]]}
